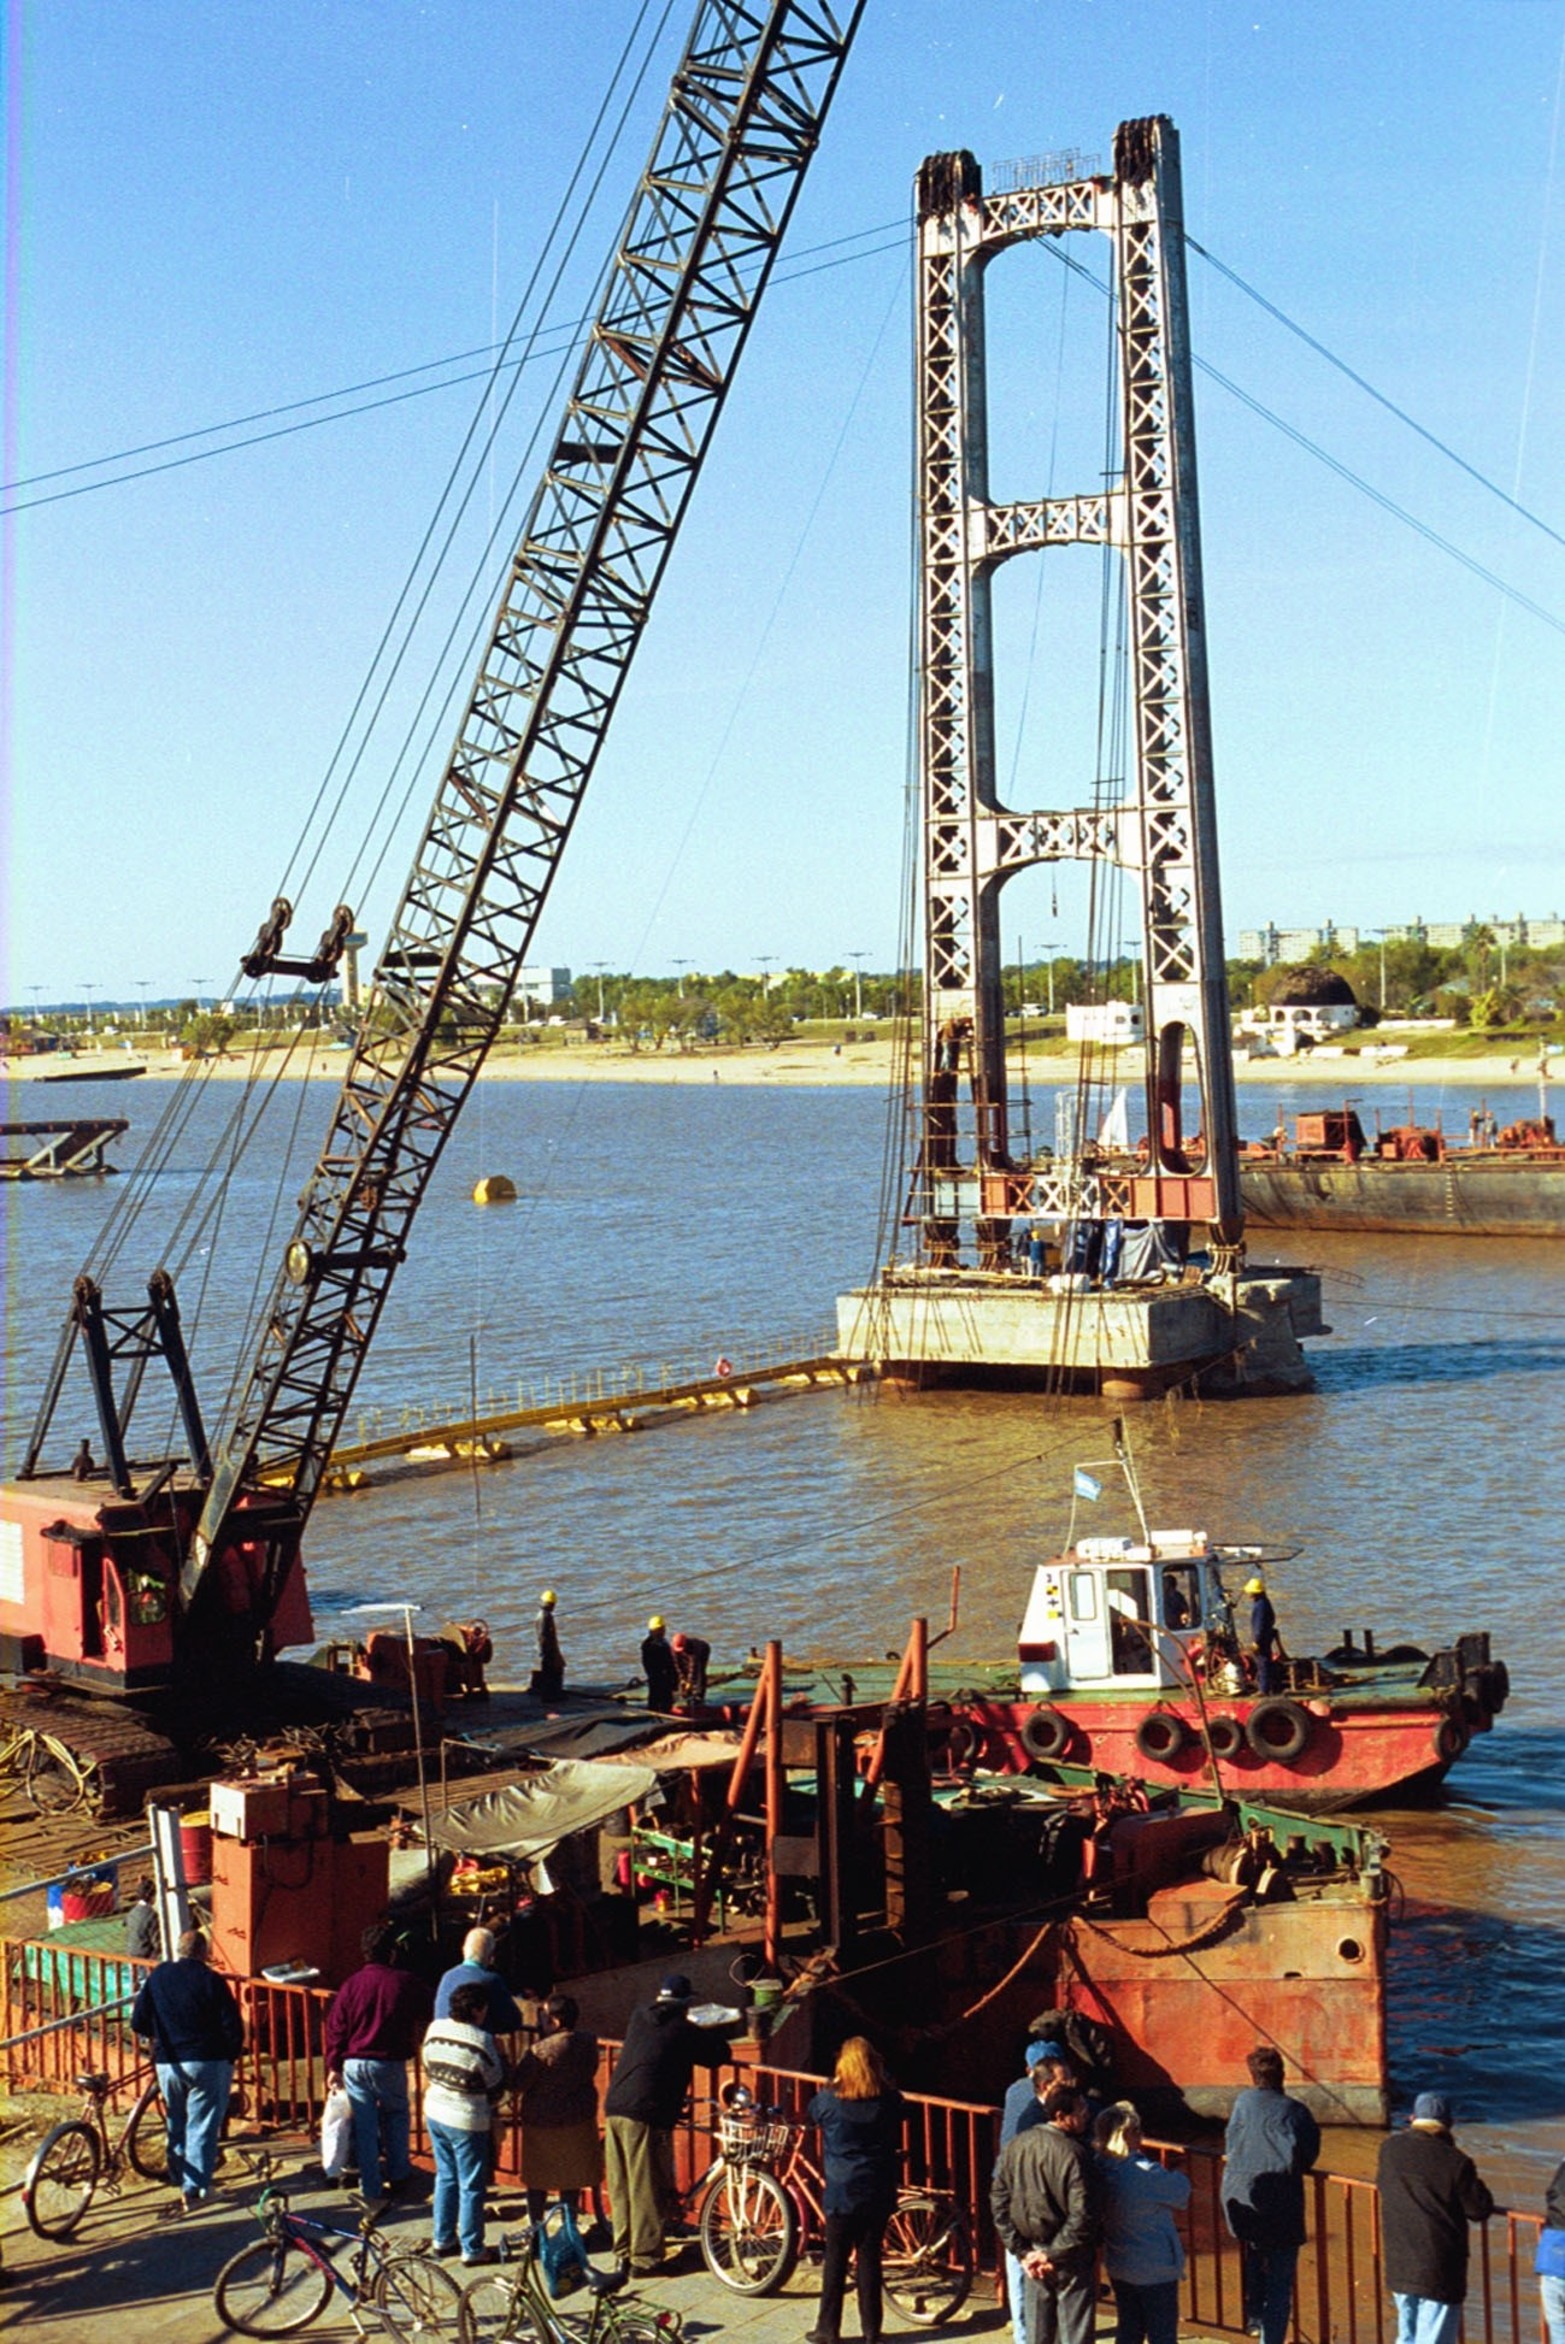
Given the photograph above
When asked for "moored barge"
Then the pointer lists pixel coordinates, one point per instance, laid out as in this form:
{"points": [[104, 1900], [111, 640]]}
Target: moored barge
{"points": [[1408, 1181]]}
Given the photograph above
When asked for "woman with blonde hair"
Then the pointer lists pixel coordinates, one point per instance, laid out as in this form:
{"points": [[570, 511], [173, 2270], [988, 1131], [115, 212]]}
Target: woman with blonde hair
{"points": [[1142, 2249], [859, 2118]]}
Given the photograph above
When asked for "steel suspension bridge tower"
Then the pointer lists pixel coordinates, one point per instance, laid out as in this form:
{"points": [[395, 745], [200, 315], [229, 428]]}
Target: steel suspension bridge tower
{"points": [[959, 1304]]}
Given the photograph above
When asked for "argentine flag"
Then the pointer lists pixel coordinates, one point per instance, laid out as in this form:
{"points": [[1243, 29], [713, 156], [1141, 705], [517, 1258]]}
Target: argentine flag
{"points": [[1085, 1486]]}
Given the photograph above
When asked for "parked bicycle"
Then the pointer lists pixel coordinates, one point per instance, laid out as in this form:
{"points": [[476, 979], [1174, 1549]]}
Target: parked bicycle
{"points": [[73, 2159], [285, 2278], [762, 2208], [512, 2305]]}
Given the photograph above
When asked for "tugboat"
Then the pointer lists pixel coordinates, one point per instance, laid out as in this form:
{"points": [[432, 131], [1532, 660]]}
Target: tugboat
{"points": [[1129, 1662]]}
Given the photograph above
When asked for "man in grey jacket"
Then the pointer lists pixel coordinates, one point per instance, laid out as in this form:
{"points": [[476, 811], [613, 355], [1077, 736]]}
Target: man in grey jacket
{"points": [[1272, 2142], [1044, 2198]]}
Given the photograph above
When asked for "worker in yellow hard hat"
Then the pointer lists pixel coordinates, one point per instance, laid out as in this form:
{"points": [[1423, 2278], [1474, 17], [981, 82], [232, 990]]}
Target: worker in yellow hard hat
{"points": [[1265, 1643], [548, 1678], [657, 1665]]}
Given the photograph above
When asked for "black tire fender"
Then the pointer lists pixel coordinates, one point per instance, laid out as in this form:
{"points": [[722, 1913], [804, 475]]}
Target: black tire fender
{"points": [[1278, 1729], [963, 1744], [1226, 1735], [1451, 1738], [1046, 1732], [1161, 1736]]}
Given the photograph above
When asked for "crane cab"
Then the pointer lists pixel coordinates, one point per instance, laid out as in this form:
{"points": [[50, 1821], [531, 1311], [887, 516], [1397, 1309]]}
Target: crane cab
{"points": [[1114, 1615], [89, 1587]]}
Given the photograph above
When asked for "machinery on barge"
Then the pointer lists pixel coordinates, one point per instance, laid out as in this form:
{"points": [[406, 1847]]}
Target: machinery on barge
{"points": [[1410, 1180]]}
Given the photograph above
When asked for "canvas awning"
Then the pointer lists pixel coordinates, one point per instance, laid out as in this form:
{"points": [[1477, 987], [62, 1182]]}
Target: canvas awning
{"points": [[530, 1817]]}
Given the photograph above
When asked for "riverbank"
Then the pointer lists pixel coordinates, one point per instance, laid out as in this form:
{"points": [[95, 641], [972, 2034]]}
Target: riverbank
{"points": [[793, 1065]]}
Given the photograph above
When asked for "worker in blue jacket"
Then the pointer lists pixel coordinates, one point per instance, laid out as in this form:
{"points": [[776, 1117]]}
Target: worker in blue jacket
{"points": [[1265, 1643]]}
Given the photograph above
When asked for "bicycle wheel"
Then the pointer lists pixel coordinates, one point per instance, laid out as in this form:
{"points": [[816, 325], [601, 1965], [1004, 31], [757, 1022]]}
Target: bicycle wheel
{"points": [[146, 2136], [495, 2308], [421, 2295], [272, 2287], [928, 2260], [749, 2230], [61, 2179], [642, 2327]]}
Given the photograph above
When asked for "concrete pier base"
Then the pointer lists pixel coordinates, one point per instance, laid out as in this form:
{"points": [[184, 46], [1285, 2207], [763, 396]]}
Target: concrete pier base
{"points": [[1242, 1336]]}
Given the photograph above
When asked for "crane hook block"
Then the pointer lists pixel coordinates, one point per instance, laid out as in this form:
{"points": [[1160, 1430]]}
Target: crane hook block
{"points": [[265, 957]]}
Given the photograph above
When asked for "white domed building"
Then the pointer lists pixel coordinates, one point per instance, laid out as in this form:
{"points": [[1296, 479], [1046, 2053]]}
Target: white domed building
{"points": [[1314, 1005]]}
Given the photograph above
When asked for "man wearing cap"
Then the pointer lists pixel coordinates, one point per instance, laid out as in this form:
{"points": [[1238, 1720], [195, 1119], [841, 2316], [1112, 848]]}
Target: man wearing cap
{"points": [[692, 1657], [658, 1665], [652, 2074], [1429, 2193], [1265, 1646], [1046, 2199], [1271, 2143], [1021, 2110]]}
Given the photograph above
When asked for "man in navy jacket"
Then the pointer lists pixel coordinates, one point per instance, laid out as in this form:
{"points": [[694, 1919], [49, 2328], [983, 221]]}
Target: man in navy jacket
{"points": [[192, 2020]]}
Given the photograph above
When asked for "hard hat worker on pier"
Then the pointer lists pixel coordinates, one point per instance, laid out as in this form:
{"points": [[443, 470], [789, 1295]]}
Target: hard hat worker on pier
{"points": [[1265, 1643], [658, 1665], [548, 1677]]}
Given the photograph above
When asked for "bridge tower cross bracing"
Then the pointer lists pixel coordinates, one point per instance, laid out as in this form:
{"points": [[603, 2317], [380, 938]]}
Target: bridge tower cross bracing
{"points": [[1164, 832]]}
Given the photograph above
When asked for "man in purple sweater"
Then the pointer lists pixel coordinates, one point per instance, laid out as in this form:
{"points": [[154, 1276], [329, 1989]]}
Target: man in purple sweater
{"points": [[374, 2023]]}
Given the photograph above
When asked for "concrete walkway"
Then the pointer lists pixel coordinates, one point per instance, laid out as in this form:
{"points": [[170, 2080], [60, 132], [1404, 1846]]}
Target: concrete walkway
{"points": [[137, 2272]]}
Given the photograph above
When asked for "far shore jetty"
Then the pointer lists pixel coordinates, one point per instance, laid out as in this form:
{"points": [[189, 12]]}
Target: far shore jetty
{"points": [[814, 1064]]}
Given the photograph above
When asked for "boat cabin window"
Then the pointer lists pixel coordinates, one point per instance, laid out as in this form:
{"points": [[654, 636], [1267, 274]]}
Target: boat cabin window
{"points": [[1084, 1595], [1130, 1608], [1181, 1596]]}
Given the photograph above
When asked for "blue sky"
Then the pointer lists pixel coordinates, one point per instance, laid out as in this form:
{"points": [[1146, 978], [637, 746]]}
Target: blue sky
{"points": [[217, 209]]}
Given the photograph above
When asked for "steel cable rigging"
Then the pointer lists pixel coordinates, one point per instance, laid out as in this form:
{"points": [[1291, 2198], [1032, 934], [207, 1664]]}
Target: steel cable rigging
{"points": [[203, 1207]]}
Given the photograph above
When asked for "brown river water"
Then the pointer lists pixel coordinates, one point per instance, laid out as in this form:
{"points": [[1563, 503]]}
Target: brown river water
{"points": [[1424, 1481]]}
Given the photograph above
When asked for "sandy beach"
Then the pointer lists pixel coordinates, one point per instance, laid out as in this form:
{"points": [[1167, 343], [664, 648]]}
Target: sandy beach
{"points": [[812, 1064]]}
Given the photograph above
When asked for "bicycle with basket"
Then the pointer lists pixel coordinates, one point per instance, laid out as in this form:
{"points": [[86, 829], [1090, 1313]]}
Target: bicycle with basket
{"points": [[516, 2302], [762, 2208]]}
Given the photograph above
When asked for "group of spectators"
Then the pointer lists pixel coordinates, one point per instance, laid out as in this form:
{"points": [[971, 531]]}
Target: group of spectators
{"points": [[1059, 2203], [1072, 2182]]}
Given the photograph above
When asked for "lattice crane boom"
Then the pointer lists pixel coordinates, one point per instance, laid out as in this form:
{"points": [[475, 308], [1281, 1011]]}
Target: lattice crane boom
{"points": [[742, 120]]}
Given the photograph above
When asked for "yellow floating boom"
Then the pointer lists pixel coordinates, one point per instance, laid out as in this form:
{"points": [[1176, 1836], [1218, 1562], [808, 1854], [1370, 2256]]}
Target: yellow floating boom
{"points": [[438, 1443]]}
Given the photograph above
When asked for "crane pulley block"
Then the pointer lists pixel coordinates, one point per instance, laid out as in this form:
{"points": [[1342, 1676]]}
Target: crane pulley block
{"points": [[265, 957]]}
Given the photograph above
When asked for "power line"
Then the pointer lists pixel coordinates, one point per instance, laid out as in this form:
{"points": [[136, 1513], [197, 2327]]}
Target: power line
{"points": [[573, 331], [1380, 398], [1387, 504]]}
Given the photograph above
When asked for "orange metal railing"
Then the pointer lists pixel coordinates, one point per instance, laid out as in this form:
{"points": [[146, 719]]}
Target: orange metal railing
{"points": [[950, 2145]]}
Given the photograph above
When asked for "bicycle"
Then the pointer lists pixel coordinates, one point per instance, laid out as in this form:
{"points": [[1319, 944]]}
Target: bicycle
{"points": [[53, 1779], [763, 2206], [511, 2305], [285, 2278], [74, 2157]]}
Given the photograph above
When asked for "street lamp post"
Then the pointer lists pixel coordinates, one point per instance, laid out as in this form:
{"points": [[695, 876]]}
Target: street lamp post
{"points": [[198, 982], [858, 959], [764, 962], [600, 966], [1050, 950], [89, 991]]}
